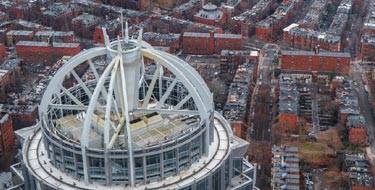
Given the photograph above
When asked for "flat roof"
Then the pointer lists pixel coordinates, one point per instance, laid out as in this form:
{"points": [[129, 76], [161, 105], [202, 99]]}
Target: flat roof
{"points": [[312, 53], [19, 33], [287, 29], [196, 34], [54, 33], [32, 43], [66, 45], [234, 36]]}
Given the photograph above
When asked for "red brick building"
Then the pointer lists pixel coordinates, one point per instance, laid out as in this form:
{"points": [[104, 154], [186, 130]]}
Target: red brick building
{"points": [[288, 122], [166, 24], [358, 136], [55, 36], [7, 141], [172, 41], [2, 51], [15, 36], [307, 39], [271, 27], [288, 105], [239, 128], [7, 81], [98, 36], [59, 15], [84, 25], [187, 10], [43, 52], [210, 43], [141, 5], [367, 48], [245, 22], [321, 62], [113, 29]]}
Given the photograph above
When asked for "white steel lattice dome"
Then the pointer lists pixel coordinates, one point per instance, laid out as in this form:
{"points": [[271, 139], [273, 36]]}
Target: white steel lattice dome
{"points": [[129, 116]]}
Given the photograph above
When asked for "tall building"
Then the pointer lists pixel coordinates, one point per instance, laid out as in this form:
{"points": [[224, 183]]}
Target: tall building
{"points": [[139, 118], [7, 141]]}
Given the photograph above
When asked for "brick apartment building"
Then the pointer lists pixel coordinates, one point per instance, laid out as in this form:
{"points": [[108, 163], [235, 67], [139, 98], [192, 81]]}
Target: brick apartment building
{"points": [[367, 46], [288, 106], [307, 39], [358, 136], [245, 22], [141, 5], [306, 34], [55, 36], [59, 15], [2, 51], [187, 10], [42, 52], [7, 141], [84, 25], [7, 81], [172, 41], [167, 24], [14, 36], [210, 43], [318, 61], [269, 28], [237, 104]]}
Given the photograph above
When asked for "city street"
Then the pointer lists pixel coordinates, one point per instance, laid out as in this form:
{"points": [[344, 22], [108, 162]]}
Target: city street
{"points": [[364, 103]]}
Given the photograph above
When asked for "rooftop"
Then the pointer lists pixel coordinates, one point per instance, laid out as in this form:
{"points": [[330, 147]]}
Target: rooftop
{"points": [[321, 53], [211, 12], [20, 33], [252, 14], [54, 33], [87, 19], [289, 95], [238, 95]]}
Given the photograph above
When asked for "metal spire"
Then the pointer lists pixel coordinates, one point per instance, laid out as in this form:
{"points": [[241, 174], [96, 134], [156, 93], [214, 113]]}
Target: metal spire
{"points": [[140, 35], [119, 47], [126, 32], [122, 24], [106, 37]]}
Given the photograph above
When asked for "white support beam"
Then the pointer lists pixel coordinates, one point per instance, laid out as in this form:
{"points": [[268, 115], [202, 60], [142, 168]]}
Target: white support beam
{"points": [[88, 119], [166, 94], [96, 74], [160, 81], [150, 89], [81, 83], [71, 96], [93, 69], [107, 118], [127, 127], [182, 102]]}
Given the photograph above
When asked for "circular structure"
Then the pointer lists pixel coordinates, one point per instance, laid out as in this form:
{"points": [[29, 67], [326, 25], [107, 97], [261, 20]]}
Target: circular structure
{"points": [[128, 116], [209, 7]]}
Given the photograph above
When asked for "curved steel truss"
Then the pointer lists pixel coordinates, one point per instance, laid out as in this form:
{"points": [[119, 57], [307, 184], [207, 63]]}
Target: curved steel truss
{"points": [[136, 80]]}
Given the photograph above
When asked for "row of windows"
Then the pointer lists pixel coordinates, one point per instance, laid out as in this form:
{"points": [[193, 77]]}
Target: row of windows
{"points": [[173, 161]]}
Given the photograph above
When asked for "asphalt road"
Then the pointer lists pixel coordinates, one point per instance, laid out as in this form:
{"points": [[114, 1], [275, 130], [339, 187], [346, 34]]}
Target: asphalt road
{"points": [[364, 103], [261, 103]]}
